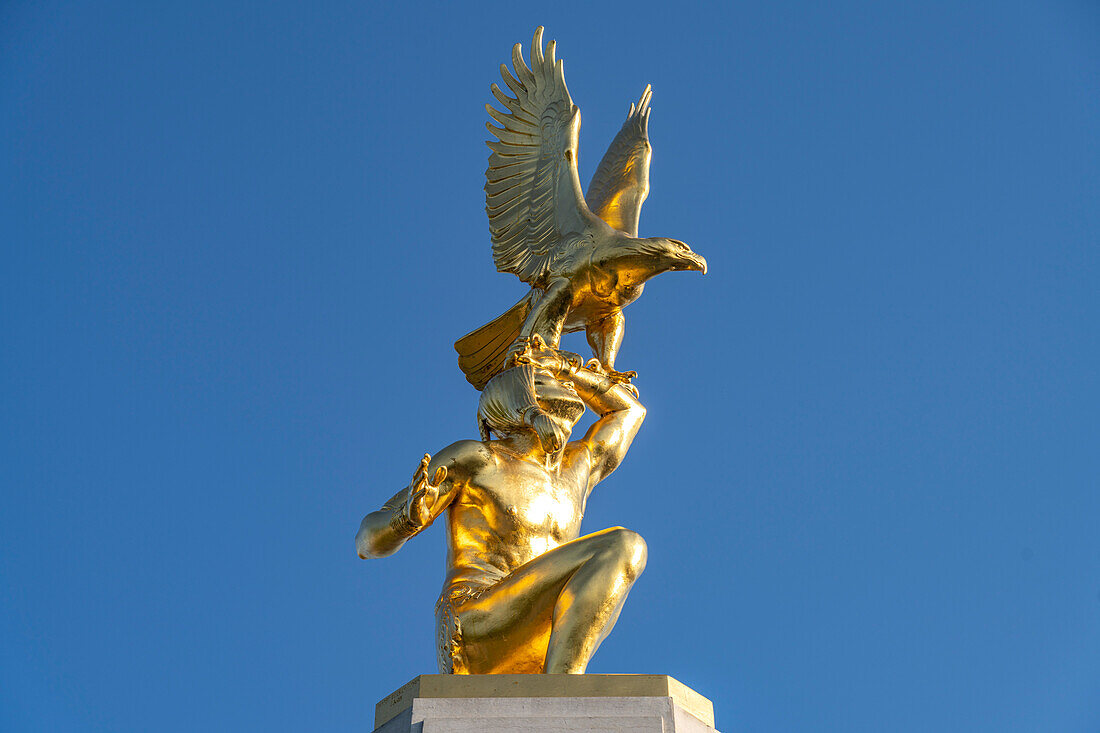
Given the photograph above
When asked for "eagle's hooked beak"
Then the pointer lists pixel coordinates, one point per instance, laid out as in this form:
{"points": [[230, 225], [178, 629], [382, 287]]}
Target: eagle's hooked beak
{"points": [[696, 262]]}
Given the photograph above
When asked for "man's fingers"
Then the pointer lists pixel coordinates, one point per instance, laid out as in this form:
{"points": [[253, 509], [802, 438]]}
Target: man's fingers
{"points": [[571, 358], [424, 493], [421, 471], [425, 503]]}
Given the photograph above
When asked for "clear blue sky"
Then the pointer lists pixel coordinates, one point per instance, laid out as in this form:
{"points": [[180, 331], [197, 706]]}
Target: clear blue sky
{"points": [[239, 240]]}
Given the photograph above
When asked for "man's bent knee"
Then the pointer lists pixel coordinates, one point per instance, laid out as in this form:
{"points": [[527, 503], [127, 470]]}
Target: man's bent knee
{"points": [[629, 549]]}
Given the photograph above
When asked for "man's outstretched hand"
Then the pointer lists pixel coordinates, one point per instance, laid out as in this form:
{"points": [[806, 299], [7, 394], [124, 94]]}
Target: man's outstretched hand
{"points": [[423, 493]]}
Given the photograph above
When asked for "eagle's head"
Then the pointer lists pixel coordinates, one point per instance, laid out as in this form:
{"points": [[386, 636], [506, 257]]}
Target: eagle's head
{"points": [[638, 260], [678, 256]]}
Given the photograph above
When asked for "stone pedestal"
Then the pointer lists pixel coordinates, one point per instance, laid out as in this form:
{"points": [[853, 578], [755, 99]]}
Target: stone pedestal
{"points": [[515, 703]]}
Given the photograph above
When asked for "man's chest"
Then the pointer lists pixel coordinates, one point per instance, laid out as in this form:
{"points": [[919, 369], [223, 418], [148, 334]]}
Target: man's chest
{"points": [[530, 502]]}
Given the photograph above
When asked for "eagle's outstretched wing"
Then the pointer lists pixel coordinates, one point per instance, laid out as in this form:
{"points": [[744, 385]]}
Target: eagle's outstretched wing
{"points": [[532, 191], [621, 182]]}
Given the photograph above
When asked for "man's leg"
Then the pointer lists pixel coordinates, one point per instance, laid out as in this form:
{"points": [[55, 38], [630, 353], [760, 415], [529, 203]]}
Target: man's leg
{"points": [[575, 592]]}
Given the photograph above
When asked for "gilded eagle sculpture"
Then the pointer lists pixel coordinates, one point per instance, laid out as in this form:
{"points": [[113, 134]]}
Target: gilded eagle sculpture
{"points": [[580, 253]]}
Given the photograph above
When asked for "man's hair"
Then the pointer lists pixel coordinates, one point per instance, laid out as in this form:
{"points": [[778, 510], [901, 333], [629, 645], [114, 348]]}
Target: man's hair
{"points": [[504, 400]]}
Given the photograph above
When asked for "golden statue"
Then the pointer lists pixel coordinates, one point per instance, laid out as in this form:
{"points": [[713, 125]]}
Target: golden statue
{"points": [[524, 592], [583, 267]]}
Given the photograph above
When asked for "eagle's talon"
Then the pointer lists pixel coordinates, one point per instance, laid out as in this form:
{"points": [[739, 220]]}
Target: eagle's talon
{"points": [[595, 365], [621, 377]]}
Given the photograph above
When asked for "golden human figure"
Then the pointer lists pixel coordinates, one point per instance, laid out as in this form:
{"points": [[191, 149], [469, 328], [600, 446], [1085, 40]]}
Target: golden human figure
{"points": [[524, 592]]}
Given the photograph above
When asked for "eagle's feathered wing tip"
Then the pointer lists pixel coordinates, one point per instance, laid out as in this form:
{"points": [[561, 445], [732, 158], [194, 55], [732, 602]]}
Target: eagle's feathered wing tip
{"points": [[481, 353], [531, 197]]}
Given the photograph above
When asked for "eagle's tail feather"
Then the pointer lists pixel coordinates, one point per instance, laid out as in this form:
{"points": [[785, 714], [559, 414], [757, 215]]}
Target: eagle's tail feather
{"points": [[481, 353]]}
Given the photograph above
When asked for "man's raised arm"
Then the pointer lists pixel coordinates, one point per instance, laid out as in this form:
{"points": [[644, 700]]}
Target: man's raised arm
{"points": [[621, 415]]}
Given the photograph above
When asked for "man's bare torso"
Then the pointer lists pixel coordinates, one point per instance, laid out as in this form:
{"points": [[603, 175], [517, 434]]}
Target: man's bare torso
{"points": [[510, 510]]}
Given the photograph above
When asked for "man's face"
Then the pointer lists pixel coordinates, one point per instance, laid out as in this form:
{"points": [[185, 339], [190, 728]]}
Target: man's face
{"points": [[559, 401]]}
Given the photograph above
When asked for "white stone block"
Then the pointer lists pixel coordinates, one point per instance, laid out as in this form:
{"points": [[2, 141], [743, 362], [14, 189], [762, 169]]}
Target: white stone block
{"points": [[499, 706]]}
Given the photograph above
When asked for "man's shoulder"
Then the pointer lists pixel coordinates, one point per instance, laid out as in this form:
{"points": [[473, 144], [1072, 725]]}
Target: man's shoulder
{"points": [[578, 449], [578, 454], [468, 454]]}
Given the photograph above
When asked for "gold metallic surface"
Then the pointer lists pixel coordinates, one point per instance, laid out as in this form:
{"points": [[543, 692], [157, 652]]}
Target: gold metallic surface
{"points": [[545, 685], [580, 253], [524, 591]]}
